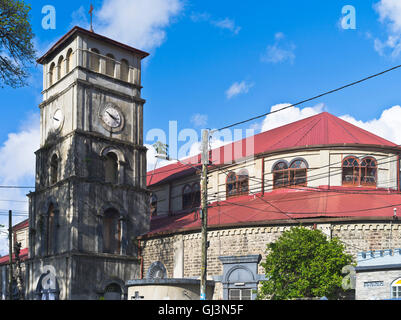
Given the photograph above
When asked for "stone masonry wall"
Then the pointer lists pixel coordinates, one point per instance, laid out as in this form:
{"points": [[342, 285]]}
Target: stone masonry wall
{"points": [[357, 237]]}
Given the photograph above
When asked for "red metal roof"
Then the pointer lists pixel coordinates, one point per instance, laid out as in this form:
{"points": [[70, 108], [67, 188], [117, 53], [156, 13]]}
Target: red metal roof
{"points": [[323, 129], [23, 256], [287, 204], [22, 225]]}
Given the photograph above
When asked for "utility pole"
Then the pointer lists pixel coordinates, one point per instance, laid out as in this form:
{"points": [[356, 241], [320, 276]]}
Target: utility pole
{"points": [[205, 162], [10, 255]]}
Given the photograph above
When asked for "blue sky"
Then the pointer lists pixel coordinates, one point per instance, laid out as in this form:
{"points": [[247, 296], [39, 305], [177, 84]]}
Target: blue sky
{"points": [[214, 63]]}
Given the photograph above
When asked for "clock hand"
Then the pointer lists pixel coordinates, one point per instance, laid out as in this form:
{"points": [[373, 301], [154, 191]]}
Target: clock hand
{"points": [[114, 118], [56, 119]]}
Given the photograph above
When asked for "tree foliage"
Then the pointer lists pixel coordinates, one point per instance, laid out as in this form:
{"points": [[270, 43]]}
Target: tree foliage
{"points": [[303, 263], [16, 48]]}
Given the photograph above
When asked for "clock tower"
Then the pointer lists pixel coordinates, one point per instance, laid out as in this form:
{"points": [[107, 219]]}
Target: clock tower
{"points": [[90, 200]]}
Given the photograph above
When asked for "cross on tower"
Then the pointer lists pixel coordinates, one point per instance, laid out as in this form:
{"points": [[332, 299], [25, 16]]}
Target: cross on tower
{"points": [[91, 14]]}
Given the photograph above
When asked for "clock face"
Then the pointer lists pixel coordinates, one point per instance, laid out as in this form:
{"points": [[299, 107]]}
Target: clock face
{"points": [[57, 119], [112, 117]]}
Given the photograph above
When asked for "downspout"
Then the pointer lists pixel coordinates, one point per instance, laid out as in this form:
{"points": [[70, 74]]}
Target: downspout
{"points": [[263, 176], [140, 258], [398, 173]]}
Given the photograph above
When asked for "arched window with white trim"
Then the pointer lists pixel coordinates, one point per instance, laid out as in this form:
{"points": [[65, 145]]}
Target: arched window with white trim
{"points": [[298, 172], [280, 175]]}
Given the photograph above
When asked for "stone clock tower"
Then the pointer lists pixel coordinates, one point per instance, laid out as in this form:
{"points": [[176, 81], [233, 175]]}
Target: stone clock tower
{"points": [[90, 200]]}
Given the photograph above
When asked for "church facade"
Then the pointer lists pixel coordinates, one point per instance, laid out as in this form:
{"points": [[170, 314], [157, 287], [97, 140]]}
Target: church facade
{"points": [[90, 198]]}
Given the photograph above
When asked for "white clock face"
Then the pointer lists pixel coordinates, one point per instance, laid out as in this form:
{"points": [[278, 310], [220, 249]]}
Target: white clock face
{"points": [[57, 119], [111, 117]]}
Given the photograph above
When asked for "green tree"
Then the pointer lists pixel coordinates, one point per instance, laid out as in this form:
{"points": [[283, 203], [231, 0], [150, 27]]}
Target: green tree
{"points": [[16, 48], [303, 263]]}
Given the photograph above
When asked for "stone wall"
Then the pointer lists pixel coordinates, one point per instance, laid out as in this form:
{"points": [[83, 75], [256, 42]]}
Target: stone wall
{"points": [[357, 237]]}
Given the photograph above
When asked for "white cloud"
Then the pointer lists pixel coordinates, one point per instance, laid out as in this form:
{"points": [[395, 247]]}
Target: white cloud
{"points": [[139, 23], [238, 88], [225, 24], [277, 54], [387, 126], [280, 51], [199, 120], [17, 168], [288, 115], [389, 14]]}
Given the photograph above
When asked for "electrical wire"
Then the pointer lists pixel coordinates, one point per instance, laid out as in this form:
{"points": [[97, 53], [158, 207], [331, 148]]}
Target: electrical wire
{"points": [[309, 99]]}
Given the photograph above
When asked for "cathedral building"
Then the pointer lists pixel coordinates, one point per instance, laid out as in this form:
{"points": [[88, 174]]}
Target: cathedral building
{"points": [[99, 224], [90, 200], [320, 172]]}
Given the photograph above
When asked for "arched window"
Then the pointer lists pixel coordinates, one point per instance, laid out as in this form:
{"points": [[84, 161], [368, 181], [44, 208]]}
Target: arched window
{"points": [[50, 226], [111, 232], [111, 168], [187, 197], [191, 196], [94, 60], [280, 175], [68, 61], [351, 171], [110, 65], [243, 182], [112, 292], [298, 170], [51, 74], [231, 185], [196, 195], [237, 184], [368, 171], [153, 205], [124, 72], [396, 289], [54, 169], [60, 69]]}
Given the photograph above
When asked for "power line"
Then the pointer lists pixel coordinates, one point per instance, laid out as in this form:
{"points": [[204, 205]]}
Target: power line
{"points": [[310, 99]]}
